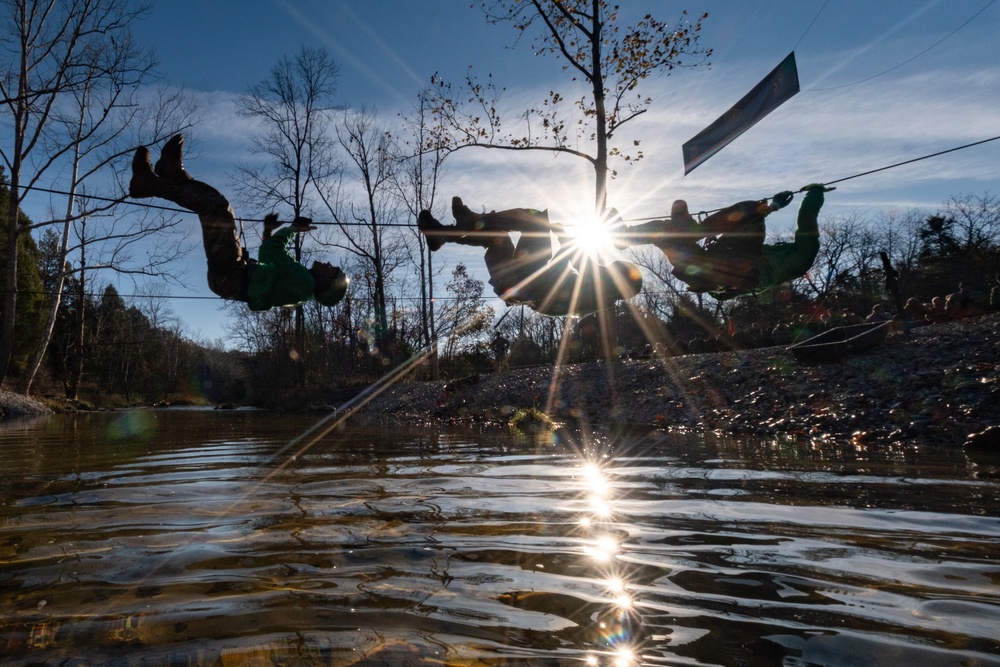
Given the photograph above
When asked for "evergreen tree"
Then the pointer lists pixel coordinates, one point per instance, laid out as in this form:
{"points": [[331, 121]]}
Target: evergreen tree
{"points": [[30, 313]]}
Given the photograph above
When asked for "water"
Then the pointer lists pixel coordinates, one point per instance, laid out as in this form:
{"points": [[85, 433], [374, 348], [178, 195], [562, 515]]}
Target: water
{"points": [[195, 537]]}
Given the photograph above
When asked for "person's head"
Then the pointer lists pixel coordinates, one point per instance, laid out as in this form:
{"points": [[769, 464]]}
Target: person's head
{"points": [[331, 283]]}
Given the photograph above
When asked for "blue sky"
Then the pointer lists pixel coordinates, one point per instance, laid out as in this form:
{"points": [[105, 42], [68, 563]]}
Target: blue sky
{"points": [[882, 82]]}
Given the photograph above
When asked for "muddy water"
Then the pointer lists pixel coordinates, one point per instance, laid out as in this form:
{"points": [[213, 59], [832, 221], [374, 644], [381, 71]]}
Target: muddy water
{"points": [[191, 537]]}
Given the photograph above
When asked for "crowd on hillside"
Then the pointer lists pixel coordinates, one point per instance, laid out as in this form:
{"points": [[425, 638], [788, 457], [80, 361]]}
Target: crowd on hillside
{"points": [[965, 302], [962, 303]]}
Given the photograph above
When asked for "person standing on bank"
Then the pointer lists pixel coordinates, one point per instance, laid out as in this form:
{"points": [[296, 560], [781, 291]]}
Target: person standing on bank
{"points": [[275, 279]]}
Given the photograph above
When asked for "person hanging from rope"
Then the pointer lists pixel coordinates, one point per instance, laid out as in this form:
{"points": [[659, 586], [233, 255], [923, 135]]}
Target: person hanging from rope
{"points": [[529, 273], [725, 254], [275, 279]]}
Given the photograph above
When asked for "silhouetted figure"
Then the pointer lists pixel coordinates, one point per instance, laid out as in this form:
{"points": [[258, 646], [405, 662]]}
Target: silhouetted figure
{"points": [[529, 273], [275, 279], [733, 259]]}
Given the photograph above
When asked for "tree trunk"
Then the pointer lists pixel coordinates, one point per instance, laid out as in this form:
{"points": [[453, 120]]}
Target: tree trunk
{"points": [[76, 373], [50, 324]]}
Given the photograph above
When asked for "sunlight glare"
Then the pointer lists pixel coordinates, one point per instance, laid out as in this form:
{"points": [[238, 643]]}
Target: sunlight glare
{"points": [[624, 657], [594, 479], [615, 585], [603, 549], [624, 601], [599, 506], [592, 237]]}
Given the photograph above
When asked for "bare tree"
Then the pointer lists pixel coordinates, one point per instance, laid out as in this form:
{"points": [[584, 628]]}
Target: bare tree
{"points": [[977, 220], [53, 48], [467, 316], [417, 180], [611, 61], [365, 222], [897, 231], [100, 122], [293, 108], [847, 251]]}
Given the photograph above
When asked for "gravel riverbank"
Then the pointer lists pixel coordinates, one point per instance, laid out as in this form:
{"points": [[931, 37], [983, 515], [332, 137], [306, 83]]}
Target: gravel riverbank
{"points": [[16, 405], [937, 385]]}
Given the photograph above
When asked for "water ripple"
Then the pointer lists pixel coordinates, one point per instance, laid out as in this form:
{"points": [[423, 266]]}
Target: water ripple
{"points": [[201, 541]]}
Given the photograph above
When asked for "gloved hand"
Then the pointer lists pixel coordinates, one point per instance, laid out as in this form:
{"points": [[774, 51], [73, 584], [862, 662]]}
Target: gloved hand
{"points": [[817, 186], [782, 199], [271, 222], [303, 224]]}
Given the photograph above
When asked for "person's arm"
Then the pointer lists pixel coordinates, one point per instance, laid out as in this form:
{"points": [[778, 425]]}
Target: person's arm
{"points": [[270, 224], [786, 261], [807, 226], [274, 249]]}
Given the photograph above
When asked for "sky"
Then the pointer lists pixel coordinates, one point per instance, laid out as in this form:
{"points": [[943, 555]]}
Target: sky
{"points": [[881, 83]]}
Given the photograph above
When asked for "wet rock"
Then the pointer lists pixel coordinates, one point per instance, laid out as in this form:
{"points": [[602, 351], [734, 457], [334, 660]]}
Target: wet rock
{"points": [[986, 440]]}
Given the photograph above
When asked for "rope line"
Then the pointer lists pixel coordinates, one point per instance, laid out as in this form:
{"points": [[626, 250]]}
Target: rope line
{"points": [[916, 159], [99, 295], [808, 27], [846, 178], [172, 209], [410, 225], [895, 67]]}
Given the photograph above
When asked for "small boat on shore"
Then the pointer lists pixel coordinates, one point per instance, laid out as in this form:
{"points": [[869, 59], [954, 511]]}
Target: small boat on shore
{"points": [[837, 343]]}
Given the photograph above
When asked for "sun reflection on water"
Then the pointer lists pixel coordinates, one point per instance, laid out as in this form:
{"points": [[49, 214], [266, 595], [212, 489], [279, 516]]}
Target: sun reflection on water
{"points": [[617, 626]]}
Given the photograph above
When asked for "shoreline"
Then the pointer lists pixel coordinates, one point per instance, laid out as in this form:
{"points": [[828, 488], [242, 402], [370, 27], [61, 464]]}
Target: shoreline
{"points": [[937, 385]]}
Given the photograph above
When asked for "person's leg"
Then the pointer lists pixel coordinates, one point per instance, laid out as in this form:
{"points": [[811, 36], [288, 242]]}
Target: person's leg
{"points": [[481, 229], [505, 278], [522, 220], [806, 239], [653, 232], [228, 264], [437, 234], [678, 232]]}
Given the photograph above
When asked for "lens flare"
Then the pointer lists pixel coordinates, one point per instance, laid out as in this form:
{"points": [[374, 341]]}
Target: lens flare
{"points": [[603, 549], [624, 657], [591, 237]]}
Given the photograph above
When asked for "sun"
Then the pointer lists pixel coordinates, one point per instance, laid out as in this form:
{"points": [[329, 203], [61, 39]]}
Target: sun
{"points": [[591, 237]]}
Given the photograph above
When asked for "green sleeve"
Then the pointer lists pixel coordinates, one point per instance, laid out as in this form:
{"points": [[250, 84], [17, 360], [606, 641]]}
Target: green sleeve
{"points": [[782, 262], [274, 250], [278, 279]]}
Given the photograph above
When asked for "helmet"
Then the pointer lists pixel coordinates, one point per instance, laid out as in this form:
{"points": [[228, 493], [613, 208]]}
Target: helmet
{"points": [[335, 288]]}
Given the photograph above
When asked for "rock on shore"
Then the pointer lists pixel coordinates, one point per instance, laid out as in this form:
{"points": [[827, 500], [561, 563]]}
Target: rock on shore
{"points": [[937, 385]]}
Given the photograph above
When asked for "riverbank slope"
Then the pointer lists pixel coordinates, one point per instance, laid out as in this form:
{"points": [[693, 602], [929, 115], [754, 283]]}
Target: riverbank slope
{"points": [[937, 385], [14, 405]]}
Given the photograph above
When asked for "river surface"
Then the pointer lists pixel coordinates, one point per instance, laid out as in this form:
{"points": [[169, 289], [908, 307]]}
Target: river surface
{"points": [[199, 537]]}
